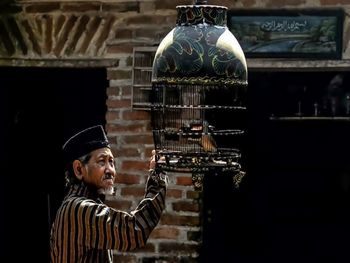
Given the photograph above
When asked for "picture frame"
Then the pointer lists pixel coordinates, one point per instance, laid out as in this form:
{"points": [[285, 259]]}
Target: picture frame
{"points": [[313, 33]]}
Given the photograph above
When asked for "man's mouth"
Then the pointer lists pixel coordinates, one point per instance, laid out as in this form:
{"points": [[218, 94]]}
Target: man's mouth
{"points": [[109, 180]]}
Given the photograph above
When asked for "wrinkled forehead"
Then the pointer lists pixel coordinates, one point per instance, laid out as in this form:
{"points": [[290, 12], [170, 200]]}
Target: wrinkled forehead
{"points": [[102, 152]]}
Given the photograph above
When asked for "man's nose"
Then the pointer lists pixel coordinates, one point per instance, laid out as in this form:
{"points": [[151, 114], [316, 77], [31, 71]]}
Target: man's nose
{"points": [[110, 168]]}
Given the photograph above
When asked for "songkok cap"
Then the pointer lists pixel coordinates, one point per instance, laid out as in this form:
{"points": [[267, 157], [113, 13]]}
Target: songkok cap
{"points": [[84, 142]]}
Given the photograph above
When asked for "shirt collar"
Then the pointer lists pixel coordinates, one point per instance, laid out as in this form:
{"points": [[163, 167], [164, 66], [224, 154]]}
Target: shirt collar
{"points": [[81, 189]]}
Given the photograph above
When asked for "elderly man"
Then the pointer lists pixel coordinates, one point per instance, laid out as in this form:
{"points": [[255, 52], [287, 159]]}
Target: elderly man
{"points": [[87, 230]]}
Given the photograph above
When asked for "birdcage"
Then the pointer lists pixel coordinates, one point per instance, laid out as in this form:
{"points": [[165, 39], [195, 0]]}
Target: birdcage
{"points": [[199, 82]]}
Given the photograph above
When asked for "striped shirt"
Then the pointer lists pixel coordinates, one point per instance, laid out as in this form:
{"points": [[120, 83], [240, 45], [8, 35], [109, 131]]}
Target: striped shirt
{"points": [[87, 230]]}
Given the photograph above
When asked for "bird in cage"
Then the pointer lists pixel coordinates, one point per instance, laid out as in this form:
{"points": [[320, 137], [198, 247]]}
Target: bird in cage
{"points": [[207, 141]]}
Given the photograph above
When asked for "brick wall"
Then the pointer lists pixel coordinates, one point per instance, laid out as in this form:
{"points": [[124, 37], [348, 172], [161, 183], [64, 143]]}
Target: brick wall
{"points": [[103, 33]]}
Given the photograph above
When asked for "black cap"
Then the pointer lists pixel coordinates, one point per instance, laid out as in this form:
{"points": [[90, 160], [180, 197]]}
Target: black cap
{"points": [[84, 142]]}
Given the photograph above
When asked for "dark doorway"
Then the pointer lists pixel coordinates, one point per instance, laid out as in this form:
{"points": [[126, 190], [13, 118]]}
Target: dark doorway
{"points": [[42, 107], [294, 203]]}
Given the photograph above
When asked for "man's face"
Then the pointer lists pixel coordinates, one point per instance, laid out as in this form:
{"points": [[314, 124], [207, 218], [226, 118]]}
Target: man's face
{"points": [[100, 170]]}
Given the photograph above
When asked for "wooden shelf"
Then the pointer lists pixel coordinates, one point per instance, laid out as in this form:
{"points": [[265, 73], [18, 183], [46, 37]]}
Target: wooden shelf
{"points": [[270, 64], [143, 86]]}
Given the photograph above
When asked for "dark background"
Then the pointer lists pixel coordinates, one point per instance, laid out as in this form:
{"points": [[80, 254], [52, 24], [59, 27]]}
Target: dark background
{"points": [[40, 109], [293, 204]]}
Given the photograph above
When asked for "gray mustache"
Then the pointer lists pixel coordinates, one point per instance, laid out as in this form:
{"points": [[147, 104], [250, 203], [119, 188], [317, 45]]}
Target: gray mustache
{"points": [[108, 176]]}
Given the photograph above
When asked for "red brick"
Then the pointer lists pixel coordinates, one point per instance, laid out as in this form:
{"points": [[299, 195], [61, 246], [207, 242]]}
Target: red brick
{"points": [[134, 165], [182, 180], [174, 193], [193, 194], [127, 152], [133, 191], [125, 91], [149, 247], [138, 139], [186, 206], [178, 248], [123, 33], [135, 127], [171, 219], [166, 233], [149, 126], [116, 49], [113, 91], [136, 115], [119, 91], [111, 116], [117, 104], [127, 179], [119, 74]]}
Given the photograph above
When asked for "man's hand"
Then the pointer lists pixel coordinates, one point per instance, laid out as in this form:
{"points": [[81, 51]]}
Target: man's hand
{"points": [[157, 178], [153, 161]]}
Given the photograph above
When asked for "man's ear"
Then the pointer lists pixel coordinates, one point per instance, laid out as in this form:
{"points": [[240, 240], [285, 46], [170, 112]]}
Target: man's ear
{"points": [[77, 167]]}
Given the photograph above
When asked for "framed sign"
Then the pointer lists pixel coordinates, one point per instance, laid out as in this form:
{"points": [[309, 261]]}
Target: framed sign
{"points": [[289, 33]]}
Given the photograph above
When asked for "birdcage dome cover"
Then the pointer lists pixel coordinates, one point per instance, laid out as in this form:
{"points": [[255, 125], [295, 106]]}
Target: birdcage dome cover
{"points": [[200, 50]]}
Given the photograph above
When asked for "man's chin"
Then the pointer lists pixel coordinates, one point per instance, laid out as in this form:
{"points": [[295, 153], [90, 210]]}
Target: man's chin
{"points": [[106, 191]]}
